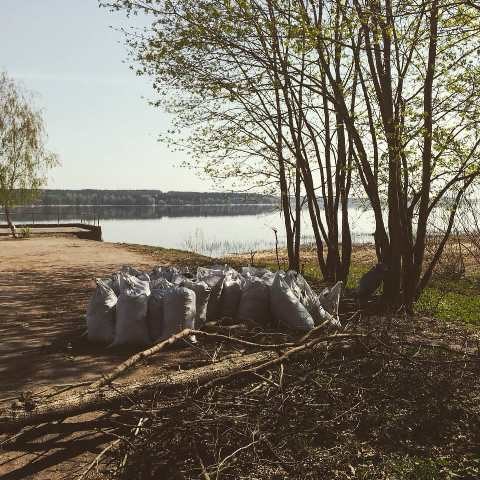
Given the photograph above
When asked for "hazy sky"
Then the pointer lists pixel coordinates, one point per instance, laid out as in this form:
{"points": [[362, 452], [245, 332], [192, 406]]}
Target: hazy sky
{"points": [[97, 117]]}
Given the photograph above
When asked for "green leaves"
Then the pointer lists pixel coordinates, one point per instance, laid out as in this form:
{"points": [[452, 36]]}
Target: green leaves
{"points": [[24, 160]]}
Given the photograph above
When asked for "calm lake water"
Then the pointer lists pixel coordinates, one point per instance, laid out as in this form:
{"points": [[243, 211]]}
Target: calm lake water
{"points": [[209, 229]]}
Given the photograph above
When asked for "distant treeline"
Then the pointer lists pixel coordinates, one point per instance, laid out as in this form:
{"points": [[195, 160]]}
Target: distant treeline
{"points": [[148, 197]]}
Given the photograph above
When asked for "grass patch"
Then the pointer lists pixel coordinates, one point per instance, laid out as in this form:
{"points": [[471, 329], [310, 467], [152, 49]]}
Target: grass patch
{"points": [[452, 300], [171, 256], [356, 272]]}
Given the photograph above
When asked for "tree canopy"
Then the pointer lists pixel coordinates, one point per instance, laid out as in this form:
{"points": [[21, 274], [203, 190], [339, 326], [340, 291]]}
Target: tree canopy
{"points": [[321, 97]]}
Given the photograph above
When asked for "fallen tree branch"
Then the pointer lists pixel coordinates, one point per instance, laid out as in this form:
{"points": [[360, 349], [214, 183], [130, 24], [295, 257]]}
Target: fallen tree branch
{"points": [[131, 361], [292, 351], [97, 459], [134, 359], [102, 399]]}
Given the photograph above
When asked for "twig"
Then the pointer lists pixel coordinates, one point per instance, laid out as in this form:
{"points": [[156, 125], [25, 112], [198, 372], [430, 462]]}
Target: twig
{"points": [[313, 331], [98, 458], [282, 358], [218, 336], [267, 380], [228, 457], [282, 462], [205, 474], [280, 377], [136, 431]]}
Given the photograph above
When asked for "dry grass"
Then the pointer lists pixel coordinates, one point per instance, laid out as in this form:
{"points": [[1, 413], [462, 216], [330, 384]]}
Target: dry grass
{"points": [[362, 254]]}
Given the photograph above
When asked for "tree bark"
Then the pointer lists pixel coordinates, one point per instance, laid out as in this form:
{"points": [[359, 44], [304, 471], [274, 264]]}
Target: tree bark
{"points": [[10, 223], [411, 289], [298, 218]]}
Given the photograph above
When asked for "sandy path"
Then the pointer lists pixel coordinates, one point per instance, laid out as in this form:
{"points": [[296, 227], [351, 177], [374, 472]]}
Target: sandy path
{"points": [[45, 284], [45, 253], [44, 288]]}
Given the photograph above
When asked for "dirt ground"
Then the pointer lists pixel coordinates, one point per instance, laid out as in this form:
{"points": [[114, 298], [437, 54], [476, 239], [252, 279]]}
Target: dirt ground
{"points": [[45, 284], [44, 288]]}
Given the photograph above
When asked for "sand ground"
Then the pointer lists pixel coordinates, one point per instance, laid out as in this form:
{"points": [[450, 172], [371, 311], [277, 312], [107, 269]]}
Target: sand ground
{"points": [[45, 284]]}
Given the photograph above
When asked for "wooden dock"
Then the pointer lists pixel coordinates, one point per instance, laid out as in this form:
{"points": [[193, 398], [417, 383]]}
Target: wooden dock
{"points": [[79, 230]]}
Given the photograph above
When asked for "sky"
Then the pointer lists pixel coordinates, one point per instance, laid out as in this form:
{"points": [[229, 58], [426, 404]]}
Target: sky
{"points": [[95, 108]]}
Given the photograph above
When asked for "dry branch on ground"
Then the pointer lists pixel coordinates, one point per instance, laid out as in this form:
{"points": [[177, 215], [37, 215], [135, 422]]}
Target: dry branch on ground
{"points": [[388, 406], [303, 409], [100, 395]]}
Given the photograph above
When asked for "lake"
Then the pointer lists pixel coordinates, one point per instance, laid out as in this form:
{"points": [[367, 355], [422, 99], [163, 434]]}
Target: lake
{"points": [[213, 230]]}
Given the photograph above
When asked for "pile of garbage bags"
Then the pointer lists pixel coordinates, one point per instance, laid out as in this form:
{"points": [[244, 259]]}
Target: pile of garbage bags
{"points": [[138, 308]]}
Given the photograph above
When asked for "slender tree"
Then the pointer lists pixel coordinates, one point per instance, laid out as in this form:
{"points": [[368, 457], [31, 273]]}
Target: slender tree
{"points": [[24, 160], [237, 74], [418, 139]]}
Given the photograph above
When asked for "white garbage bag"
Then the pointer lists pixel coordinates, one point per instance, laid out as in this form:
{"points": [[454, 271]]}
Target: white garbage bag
{"points": [[202, 295], [136, 273], [330, 298], [214, 278], [116, 283], [231, 295], [255, 271], [286, 307], [160, 284], [101, 314], [309, 298], [179, 311], [131, 318], [155, 317], [130, 282], [255, 301], [166, 272]]}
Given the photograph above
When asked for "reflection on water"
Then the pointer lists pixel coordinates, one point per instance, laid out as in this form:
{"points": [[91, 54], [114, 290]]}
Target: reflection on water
{"points": [[208, 229], [74, 213]]}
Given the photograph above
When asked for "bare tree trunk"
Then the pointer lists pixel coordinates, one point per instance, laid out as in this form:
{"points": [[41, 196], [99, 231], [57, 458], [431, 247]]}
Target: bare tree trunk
{"points": [[423, 215], [298, 214], [10, 223], [106, 398], [286, 214], [284, 190]]}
